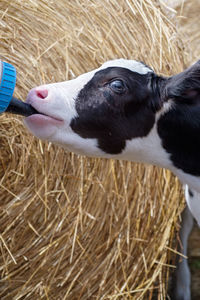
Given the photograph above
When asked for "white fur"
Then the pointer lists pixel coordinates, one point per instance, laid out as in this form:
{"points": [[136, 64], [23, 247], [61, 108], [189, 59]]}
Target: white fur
{"points": [[132, 65], [147, 150]]}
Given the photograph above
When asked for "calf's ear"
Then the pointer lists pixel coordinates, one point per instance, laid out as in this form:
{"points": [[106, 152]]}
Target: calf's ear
{"points": [[184, 86]]}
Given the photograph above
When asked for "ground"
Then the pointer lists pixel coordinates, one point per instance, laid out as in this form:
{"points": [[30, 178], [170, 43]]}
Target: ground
{"points": [[194, 261]]}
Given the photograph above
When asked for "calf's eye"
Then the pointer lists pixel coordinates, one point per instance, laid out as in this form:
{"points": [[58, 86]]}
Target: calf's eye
{"points": [[117, 86]]}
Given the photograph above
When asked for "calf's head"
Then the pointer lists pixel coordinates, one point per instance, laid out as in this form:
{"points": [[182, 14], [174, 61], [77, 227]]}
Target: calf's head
{"points": [[108, 112]]}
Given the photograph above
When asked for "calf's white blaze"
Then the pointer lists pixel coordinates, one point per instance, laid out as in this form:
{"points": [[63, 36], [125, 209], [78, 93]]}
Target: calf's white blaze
{"points": [[132, 65]]}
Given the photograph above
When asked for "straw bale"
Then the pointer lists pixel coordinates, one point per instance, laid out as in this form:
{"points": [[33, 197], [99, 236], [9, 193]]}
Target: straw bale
{"points": [[186, 17], [189, 22], [73, 227]]}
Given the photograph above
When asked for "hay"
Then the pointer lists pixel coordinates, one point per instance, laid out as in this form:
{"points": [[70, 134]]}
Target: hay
{"points": [[189, 22], [71, 227], [186, 17]]}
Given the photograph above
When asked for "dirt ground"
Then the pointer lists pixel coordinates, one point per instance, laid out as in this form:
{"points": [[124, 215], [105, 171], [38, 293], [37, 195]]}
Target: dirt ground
{"points": [[194, 262]]}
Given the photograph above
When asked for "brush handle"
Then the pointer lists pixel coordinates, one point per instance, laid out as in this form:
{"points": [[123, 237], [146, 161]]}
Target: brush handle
{"points": [[18, 107]]}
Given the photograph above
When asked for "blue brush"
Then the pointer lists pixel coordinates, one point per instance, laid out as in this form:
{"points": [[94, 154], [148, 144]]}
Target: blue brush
{"points": [[7, 85]]}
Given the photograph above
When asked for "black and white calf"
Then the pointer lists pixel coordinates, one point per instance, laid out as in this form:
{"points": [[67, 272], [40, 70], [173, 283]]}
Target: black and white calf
{"points": [[123, 110]]}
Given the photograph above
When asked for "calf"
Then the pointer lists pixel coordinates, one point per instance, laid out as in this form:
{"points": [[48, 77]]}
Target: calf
{"points": [[124, 110]]}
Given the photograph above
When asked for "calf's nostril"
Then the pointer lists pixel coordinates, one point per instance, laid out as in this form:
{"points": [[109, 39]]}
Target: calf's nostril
{"points": [[42, 93]]}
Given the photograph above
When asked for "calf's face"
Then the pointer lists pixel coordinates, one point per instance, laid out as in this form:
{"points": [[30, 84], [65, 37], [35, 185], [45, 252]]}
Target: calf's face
{"points": [[107, 112]]}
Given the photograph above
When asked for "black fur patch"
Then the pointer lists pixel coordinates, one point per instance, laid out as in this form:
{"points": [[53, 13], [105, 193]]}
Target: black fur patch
{"points": [[113, 118], [185, 86], [179, 130], [191, 193]]}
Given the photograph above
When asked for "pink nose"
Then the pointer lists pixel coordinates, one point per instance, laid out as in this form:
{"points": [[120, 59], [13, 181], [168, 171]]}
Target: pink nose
{"points": [[42, 93]]}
